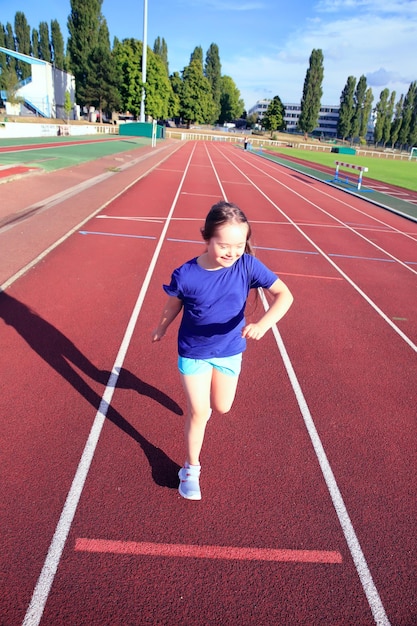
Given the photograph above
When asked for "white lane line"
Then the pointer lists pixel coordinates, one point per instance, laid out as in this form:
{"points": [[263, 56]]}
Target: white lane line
{"points": [[376, 308], [41, 592], [352, 541]]}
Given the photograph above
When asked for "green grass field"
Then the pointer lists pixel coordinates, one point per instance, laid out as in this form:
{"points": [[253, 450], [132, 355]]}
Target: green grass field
{"points": [[401, 173]]}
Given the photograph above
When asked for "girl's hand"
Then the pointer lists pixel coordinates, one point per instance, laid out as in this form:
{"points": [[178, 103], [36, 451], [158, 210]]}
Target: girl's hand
{"points": [[157, 335], [253, 331]]}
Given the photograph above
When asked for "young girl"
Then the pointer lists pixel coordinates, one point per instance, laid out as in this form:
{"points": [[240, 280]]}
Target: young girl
{"points": [[212, 290]]}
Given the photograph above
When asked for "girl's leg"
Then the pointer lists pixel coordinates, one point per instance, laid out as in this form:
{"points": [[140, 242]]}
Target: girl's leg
{"points": [[197, 391], [223, 391]]}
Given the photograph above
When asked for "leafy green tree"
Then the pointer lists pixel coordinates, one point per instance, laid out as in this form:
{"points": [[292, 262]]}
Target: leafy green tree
{"points": [[44, 43], [312, 93], [3, 60], [22, 38], [35, 43], [213, 72], [358, 100], [231, 104], [396, 124], [196, 104], [381, 115], [83, 28], [160, 48], [273, 119], [367, 110], [386, 130], [10, 45], [127, 55], [347, 109], [158, 88], [197, 55], [101, 84], [67, 105], [407, 114], [175, 97], [57, 44]]}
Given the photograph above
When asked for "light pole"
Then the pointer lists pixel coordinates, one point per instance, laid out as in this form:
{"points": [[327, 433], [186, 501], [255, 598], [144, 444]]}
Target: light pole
{"points": [[144, 50]]}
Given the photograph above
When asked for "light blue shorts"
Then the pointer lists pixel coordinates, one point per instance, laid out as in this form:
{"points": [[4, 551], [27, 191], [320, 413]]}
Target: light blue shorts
{"points": [[229, 365]]}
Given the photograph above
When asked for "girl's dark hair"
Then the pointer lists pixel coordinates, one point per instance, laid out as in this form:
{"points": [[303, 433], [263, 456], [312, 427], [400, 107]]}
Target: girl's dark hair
{"points": [[223, 213]]}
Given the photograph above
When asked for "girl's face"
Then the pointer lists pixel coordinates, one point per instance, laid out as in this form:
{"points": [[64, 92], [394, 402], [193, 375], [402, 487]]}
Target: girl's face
{"points": [[227, 245]]}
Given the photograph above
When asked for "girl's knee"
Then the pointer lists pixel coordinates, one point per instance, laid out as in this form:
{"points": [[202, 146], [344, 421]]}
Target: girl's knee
{"points": [[222, 407]]}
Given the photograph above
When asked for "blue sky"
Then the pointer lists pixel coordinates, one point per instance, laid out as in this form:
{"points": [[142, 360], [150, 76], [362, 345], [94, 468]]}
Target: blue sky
{"points": [[265, 45]]}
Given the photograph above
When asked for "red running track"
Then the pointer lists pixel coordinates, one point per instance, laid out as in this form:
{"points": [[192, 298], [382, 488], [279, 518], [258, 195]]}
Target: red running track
{"points": [[309, 504]]}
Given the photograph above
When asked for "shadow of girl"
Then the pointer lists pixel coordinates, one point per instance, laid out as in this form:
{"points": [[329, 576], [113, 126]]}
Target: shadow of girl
{"points": [[61, 354]]}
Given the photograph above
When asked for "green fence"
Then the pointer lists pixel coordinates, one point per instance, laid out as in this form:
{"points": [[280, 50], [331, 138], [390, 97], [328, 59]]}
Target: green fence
{"points": [[141, 129]]}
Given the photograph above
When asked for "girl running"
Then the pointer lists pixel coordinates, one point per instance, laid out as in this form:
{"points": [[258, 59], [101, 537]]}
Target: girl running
{"points": [[212, 291]]}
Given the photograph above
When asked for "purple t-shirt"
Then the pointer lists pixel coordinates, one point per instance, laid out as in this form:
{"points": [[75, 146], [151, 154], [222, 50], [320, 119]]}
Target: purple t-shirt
{"points": [[214, 305]]}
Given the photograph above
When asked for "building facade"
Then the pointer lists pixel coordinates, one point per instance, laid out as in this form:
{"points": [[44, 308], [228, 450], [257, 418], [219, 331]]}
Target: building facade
{"points": [[328, 117]]}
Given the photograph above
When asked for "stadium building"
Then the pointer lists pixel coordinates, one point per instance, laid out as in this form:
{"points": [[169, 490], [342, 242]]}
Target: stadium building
{"points": [[328, 117], [43, 92]]}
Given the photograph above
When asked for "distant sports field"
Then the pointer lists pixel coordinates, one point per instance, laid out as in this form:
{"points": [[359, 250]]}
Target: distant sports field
{"points": [[401, 173]]}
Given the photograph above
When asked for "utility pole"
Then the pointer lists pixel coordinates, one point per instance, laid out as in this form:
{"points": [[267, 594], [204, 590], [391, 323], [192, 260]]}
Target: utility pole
{"points": [[144, 51]]}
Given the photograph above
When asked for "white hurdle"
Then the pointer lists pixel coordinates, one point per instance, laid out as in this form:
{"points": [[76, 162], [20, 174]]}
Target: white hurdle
{"points": [[360, 168]]}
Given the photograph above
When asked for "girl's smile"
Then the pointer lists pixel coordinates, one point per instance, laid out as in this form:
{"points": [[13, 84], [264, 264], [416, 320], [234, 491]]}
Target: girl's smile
{"points": [[226, 247]]}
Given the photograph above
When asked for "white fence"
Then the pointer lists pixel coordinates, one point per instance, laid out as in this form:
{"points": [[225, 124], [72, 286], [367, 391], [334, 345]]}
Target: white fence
{"points": [[257, 142], [9, 130]]}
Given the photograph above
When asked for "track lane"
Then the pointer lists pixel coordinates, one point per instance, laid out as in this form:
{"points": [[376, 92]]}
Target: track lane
{"points": [[141, 503]]}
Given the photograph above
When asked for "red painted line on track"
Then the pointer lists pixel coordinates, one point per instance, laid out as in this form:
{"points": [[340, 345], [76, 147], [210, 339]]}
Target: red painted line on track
{"points": [[206, 552], [309, 276]]}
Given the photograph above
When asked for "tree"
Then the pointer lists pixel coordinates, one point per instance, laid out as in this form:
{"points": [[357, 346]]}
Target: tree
{"points": [[67, 104], [101, 84], [35, 43], [381, 114], [10, 45], [127, 55], [386, 130], [196, 103], [359, 100], [312, 93], [83, 27], [44, 43], [396, 124], [22, 38], [274, 116], [367, 110], [57, 44], [231, 104], [158, 88], [347, 109], [160, 48], [175, 96], [212, 71], [407, 114]]}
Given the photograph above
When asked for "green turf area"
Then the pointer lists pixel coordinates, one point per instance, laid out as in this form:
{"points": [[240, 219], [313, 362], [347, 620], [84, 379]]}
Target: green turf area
{"points": [[51, 159], [395, 172]]}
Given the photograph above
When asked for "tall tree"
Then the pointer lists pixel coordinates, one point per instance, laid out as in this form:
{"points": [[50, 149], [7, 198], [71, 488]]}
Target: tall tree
{"points": [[213, 72], [127, 55], [10, 45], [158, 88], [367, 110], [386, 130], [347, 109], [312, 93], [57, 44], [160, 48], [407, 114], [44, 42], [197, 104], [231, 104], [396, 124], [83, 27], [381, 115], [274, 116], [101, 84], [35, 43], [359, 101], [22, 38], [175, 98]]}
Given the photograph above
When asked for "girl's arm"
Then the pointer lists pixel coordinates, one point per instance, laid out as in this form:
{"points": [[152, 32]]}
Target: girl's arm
{"points": [[170, 312], [282, 300]]}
